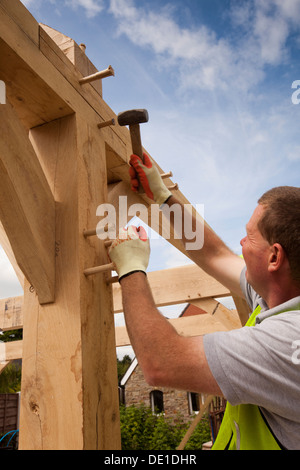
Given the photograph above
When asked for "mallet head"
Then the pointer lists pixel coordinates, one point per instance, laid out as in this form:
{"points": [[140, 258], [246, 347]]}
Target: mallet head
{"points": [[133, 117]]}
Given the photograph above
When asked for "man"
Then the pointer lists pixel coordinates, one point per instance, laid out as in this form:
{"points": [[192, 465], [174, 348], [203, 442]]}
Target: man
{"points": [[256, 368]]}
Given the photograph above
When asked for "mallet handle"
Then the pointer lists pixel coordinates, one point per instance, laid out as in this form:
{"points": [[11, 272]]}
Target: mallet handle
{"points": [[136, 142]]}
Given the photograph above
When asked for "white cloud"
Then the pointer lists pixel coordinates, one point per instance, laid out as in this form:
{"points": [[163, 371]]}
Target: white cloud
{"points": [[28, 3], [193, 51], [229, 147], [204, 60], [36, 4], [267, 25], [290, 9], [91, 7], [272, 34]]}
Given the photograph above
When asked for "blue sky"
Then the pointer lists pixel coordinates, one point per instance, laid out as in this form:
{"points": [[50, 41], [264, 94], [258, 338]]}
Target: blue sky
{"points": [[216, 77]]}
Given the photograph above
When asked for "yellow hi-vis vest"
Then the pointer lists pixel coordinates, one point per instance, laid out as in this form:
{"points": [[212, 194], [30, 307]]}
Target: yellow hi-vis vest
{"points": [[244, 426]]}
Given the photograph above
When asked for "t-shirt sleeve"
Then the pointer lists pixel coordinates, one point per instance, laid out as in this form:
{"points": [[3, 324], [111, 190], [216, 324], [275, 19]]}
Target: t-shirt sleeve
{"points": [[254, 364]]}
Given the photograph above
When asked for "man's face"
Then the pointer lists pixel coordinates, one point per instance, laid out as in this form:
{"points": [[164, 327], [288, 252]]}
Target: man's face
{"points": [[256, 251]]}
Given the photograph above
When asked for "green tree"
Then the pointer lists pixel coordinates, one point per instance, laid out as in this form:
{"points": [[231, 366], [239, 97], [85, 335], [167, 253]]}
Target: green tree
{"points": [[8, 336], [10, 378], [123, 366], [141, 430]]}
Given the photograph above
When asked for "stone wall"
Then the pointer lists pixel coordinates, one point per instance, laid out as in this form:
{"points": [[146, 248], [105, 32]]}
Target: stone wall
{"points": [[137, 391]]}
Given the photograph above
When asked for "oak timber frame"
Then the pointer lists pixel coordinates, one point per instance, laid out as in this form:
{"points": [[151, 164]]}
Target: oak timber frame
{"points": [[56, 167]]}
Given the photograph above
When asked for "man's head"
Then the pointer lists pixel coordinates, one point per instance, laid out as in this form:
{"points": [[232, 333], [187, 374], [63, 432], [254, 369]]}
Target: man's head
{"points": [[280, 223], [271, 248]]}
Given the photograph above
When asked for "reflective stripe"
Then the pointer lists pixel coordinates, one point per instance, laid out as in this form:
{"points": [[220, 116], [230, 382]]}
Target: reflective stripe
{"points": [[238, 436]]}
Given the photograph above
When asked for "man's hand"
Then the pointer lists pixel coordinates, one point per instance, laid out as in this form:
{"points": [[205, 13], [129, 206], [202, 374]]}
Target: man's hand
{"points": [[130, 252], [147, 174]]}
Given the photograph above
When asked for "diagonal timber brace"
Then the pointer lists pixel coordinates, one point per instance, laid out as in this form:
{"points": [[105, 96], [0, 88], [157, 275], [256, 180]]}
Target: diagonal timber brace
{"points": [[27, 209]]}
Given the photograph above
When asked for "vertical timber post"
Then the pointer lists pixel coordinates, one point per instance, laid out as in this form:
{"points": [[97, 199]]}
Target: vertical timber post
{"points": [[69, 394]]}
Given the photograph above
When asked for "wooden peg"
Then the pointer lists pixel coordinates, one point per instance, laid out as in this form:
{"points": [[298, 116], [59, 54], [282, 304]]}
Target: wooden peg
{"points": [[92, 232], [98, 76], [175, 187], [99, 269], [112, 280], [89, 233], [166, 175], [112, 122]]}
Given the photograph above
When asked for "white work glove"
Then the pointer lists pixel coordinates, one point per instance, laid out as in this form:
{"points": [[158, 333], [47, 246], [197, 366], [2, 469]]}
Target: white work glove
{"points": [[148, 175], [130, 252]]}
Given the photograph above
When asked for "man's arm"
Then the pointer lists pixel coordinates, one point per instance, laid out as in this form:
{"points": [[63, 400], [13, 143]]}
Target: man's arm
{"points": [[215, 258], [166, 358]]}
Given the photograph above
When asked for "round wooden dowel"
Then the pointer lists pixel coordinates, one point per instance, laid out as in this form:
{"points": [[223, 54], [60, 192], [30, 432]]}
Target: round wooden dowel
{"points": [[166, 175], [112, 280], [93, 232], [175, 187], [99, 269], [97, 76], [89, 233], [112, 122]]}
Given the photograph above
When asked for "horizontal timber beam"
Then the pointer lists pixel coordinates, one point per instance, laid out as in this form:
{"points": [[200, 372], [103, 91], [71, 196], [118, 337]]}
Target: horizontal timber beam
{"points": [[11, 351], [177, 286], [184, 284], [11, 313], [196, 325]]}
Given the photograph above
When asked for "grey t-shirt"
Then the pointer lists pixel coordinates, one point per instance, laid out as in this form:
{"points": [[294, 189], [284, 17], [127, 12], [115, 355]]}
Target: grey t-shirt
{"points": [[261, 365]]}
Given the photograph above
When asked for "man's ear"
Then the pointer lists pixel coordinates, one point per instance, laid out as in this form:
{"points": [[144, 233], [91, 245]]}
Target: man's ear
{"points": [[276, 258]]}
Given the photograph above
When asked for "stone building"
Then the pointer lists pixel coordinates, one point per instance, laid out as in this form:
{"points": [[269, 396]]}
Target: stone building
{"points": [[135, 390], [161, 400]]}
